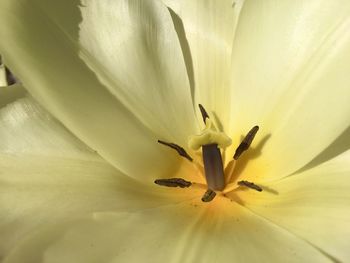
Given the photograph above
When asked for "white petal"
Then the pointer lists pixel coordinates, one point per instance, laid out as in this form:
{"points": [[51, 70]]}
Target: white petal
{"points": [[206, 29], [313, 205], [3, 79], [290, 72], [47, 176], [178, 233], [26, 128], [134, 49], [41, 46]]}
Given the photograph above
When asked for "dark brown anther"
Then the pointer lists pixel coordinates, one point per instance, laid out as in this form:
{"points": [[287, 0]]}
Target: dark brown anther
{"points": [[208, 196], [173, 182], [247, 141], [250, 185], [181, 151], [203, 112]]}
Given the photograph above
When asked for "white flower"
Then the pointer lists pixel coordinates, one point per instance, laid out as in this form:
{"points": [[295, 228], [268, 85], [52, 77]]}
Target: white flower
{"points": [[121, 74]]}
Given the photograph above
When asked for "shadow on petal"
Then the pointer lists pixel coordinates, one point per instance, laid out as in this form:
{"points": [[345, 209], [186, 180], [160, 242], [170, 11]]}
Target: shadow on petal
{"points": [[340, 145]]}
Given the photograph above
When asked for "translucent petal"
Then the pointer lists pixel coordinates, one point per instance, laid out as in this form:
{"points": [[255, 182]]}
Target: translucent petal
{"points": [[177, 233], [48, 176], [134, 49], [289, 75], [313, 205], [206, 29], [44, 39]]}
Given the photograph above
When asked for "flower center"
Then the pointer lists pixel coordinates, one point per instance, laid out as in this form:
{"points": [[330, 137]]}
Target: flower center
{"points": [[212, 143]]}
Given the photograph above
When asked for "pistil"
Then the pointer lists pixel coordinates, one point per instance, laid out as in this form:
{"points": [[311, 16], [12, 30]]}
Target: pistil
{"points": [[213, 167], [211, 142]]}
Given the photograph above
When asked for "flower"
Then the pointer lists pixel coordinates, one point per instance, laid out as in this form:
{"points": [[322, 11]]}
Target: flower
{"points": [[122, 74]]}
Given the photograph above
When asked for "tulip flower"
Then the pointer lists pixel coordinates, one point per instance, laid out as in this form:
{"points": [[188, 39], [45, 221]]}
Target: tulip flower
{"points": [[242, 178]]}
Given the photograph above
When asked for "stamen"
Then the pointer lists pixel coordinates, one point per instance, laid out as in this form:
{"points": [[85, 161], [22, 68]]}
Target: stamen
{"points": [[173, 182], [208, 195], [247, 141], [250, 185], [203, 112], [181, 151]]}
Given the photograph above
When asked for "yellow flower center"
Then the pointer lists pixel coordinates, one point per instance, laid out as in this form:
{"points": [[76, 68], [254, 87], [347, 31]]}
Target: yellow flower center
{"points": [[212, 143]]}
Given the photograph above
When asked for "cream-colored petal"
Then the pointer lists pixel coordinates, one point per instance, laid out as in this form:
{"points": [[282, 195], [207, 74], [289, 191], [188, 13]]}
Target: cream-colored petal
{"points": [[47, 175], [206, 29], [289, 75], [178, 233], [133, 47], [313, 205], [26, 128], [41, 47], [11, 93], [3, 78], [339, 146]]}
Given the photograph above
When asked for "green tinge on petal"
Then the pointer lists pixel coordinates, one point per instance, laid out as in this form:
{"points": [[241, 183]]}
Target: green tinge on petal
{"points": [[313, 205], [176, 233]]}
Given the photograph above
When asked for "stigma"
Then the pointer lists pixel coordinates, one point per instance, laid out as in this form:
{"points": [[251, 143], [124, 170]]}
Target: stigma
{"points": [[212, 143]]}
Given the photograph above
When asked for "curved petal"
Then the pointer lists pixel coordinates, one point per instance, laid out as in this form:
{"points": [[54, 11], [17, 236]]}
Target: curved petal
{"points": [[313, 205], [289, 75], [206, 29], [47, 176], [177, 233], [42, 36], [134, 49], [26, 128]]}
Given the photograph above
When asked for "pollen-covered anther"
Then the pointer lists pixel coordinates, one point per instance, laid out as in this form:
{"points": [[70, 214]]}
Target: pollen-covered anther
{"points": [[208, 196], [250, 185], [173, 182], [247, 141], [243, 146], [181, 151]]}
